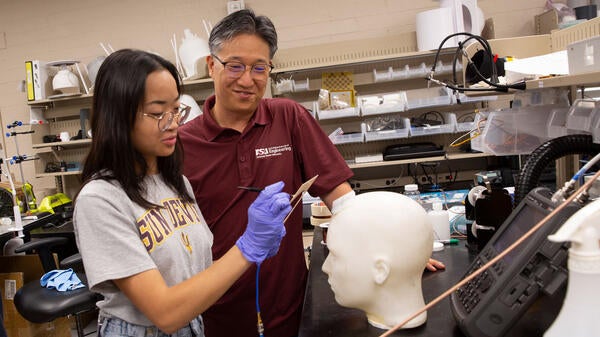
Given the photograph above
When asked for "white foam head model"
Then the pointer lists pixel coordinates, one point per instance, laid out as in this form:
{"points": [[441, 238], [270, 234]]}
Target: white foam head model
{"points": [[379, 244]]}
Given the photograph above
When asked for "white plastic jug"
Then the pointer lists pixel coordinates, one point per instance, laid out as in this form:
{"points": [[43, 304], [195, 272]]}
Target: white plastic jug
{"points": [[191, 50]]}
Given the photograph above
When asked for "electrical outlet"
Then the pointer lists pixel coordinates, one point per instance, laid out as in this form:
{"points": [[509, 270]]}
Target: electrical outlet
{"points": [[431, 179], [234, 6]]}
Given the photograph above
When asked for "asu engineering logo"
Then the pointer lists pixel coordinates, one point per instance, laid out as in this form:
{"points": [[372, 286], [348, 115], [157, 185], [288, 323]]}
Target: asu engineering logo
{"points": [[272, 151]]}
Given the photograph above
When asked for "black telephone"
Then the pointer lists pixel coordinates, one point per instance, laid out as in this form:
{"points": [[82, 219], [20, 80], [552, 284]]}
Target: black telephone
{"points": [[492, 302]]}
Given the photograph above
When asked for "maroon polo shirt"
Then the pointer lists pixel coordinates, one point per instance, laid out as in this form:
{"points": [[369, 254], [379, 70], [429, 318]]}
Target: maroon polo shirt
{"points": [[282, 141]]}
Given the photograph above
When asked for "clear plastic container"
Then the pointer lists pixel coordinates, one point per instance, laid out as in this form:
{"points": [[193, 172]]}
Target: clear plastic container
{"points": [[386, 128], [448, 126], [412, 191], [382, 104], [514, 131], [427, 97], [582, 114]]}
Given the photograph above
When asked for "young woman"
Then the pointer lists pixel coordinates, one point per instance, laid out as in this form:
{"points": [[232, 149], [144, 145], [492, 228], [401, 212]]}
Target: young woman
{"points": [[145, 244]]}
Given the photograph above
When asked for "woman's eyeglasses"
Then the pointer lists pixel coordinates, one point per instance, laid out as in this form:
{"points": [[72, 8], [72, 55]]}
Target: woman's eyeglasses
{"points": [[166, 118], [235, 69]]}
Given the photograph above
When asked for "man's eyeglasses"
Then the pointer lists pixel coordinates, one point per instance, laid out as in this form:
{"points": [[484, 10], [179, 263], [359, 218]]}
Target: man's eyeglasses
{"points": [[166, 118], [235, 69]]}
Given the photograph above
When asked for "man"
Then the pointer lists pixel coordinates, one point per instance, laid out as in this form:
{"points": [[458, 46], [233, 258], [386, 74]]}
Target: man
{"points": [[245, 140], [242, 139]]}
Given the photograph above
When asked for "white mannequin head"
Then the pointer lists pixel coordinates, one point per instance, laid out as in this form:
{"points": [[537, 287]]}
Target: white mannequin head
{"points": [[379, 244]]}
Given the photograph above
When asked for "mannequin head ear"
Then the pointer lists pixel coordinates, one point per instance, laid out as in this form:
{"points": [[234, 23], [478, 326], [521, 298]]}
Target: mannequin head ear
{"points": [[381, 270]]}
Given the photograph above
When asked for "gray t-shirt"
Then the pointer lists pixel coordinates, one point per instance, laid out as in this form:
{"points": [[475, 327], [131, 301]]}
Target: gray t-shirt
{"points": [[118, 238]]}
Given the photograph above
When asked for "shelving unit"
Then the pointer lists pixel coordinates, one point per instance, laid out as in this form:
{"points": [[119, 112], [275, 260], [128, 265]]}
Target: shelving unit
{"points": [[450, 156], [556, 40], [200, 89], [373, 64], [63, 114], [69, 144], [580, 80]]}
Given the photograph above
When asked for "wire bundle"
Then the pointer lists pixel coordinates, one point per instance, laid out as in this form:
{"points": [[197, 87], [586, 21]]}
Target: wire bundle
{"points": [[493, 83]]}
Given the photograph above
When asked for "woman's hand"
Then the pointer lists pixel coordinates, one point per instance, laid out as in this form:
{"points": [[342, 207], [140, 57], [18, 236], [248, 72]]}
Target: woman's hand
{"points": [[265, 227], [434, 265]]}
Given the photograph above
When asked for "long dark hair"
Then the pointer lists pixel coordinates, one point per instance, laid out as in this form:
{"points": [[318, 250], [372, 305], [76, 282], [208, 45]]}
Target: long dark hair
{"points": [[118, 93]]}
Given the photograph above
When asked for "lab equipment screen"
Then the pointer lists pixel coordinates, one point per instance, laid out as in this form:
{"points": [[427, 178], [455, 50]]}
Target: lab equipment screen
{"points": [[523, 221]]}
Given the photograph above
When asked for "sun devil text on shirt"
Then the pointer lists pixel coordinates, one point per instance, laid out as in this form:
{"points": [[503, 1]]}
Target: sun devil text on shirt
{"points": [[272, 151]]}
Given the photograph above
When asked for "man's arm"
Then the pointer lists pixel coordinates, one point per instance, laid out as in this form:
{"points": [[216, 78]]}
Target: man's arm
{"points": [[337, 192]]}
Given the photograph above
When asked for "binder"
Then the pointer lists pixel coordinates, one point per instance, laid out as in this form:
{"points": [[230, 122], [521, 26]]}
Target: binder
{"points": [[29, 80], [36, 79]]}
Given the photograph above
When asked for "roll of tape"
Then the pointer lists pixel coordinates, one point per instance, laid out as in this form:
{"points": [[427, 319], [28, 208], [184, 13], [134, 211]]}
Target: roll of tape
{"points": [[318, 221], [319, 209]]}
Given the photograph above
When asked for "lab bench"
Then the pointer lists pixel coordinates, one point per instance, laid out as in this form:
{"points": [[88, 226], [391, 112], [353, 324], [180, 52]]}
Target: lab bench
{"points": [[43, 225], [322, 316]]}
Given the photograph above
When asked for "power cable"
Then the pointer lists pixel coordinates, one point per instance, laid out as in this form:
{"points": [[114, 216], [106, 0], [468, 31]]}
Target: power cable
{"points": [[487, 49]]}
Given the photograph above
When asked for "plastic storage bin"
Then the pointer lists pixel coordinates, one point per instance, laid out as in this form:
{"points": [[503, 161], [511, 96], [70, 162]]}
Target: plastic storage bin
{"points": [[447, 127], [557, 123], [513, 132], [339, 137], [463, 124], [382, 104], [338, 113], [427, 97], [582, 115], [397, 128]]}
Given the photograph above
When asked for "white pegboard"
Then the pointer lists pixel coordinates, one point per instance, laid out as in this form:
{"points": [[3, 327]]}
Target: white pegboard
{"points": [[74, 155], [68, 155], [345, 52], [72, 126], [563, 37]]}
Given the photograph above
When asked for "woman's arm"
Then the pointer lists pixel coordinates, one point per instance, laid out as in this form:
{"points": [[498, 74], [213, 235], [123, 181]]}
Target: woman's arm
{"points": [[170, 308]]}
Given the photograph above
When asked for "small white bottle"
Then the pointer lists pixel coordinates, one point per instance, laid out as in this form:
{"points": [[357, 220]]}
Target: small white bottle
{"points": [[412, 191], [440, 220]]}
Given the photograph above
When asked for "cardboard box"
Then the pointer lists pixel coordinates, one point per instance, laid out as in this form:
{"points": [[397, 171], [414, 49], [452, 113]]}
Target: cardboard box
{"points": [[29, 265], [25, 268]]}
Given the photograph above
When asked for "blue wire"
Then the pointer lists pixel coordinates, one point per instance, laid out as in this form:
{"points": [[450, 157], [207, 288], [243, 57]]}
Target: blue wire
{"points": [[257, 272], [260, 323], [579, 173]]}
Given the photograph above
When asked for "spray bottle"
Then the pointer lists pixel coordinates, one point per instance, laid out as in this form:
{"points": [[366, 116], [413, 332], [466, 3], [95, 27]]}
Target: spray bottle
{"points": [[580, 311]]}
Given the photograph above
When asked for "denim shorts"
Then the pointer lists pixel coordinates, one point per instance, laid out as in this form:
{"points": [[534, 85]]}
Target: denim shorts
{"points": [[116, 327]]}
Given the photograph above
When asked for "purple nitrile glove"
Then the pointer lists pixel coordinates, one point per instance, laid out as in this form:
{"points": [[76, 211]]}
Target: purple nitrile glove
{"points": [[265, 227]]}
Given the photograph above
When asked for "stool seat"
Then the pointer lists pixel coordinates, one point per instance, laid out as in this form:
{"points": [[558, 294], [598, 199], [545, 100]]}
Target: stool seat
{"points": [[39, 304], [42, 305]]}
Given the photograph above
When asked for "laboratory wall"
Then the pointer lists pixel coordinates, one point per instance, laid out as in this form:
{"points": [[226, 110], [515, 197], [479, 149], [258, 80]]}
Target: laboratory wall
{"points": [[72, 30]]}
